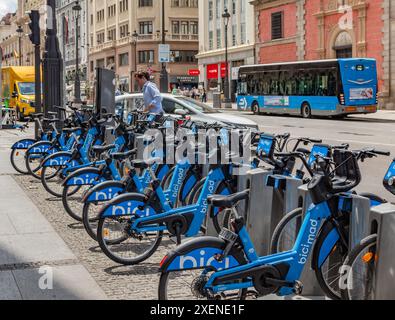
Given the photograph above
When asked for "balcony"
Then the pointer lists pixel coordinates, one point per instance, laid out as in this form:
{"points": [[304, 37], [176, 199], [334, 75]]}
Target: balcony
{"points": [[103, 46]]}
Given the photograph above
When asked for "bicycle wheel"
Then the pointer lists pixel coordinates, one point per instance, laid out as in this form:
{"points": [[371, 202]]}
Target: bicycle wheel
{"points": [[188, 284], [359, 271], [284, 235], [52, 179], [167, 179], [72, 200], [122, 244], [33, 164], [91, 217], [17, 158]]}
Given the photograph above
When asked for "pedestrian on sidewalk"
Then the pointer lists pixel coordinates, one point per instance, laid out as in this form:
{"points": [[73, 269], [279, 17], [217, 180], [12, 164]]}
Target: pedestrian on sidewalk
{"points": [[204, 96], [152, 96]]}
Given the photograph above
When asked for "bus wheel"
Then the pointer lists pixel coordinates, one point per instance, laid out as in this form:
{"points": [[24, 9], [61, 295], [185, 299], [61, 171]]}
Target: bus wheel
{"points": [[306, 111], [255, 108]]}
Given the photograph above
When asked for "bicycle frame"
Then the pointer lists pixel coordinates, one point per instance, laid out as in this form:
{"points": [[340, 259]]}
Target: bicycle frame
{"points": [[198, 210], [296, 258]]}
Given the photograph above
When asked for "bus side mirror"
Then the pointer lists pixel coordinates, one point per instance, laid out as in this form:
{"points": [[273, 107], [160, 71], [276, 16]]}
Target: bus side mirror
{"points": [[14, 94]]}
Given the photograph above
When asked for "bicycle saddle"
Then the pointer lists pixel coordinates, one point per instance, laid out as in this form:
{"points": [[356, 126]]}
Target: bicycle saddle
{"points": [[125, 155], [101, 149], [228, 201], [71, 130], [51, 120], [60, 108], [37, 115], [145, 164]]}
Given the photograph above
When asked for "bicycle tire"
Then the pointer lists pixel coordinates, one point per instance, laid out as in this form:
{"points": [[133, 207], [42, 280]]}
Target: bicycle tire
{"points": [[117, 259], [365, 243], [13, 162], [274, 245]]}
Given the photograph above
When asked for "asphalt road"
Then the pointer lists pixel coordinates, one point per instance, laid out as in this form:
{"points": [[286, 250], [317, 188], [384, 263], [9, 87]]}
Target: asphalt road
{"points": [[358, 132]]}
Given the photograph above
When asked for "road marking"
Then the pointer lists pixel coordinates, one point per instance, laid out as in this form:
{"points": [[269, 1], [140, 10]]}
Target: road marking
{"points": [[363, 142]]}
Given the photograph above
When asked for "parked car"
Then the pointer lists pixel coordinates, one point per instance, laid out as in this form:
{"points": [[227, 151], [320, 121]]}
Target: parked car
{"points": [[176, 105]]}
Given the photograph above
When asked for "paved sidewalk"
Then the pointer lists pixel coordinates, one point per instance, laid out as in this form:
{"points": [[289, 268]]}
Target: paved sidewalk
{"points": [[31, 252]]}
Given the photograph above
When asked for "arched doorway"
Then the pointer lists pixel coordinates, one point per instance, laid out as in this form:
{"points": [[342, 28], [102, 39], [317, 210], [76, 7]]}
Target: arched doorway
{"points": [[343, 45]]}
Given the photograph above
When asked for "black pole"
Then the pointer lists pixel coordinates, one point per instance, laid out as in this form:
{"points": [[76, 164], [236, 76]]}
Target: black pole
{"points": [[227, 100], [52, 65], [37, 85], [135, 66], [77, 83], [20, 50], [164, 82]]}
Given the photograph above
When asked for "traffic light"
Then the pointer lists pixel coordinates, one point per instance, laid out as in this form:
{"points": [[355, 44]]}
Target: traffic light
{"points": [[34, 26]]}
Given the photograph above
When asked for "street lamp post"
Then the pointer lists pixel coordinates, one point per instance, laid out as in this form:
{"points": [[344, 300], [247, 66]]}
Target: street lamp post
{"points": [[20, 34], [135, 36], [164, 77], [77, 83], [227, 100]]}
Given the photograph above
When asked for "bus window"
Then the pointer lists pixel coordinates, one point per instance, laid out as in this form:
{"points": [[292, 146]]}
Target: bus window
{"points": [[242, 88], [332, 84]]}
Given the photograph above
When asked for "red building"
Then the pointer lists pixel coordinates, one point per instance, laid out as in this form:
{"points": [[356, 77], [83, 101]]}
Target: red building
{"points": [[290, 30]]}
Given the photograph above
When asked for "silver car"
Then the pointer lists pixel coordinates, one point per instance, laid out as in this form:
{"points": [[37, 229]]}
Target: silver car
{"points": [[176, 105]]}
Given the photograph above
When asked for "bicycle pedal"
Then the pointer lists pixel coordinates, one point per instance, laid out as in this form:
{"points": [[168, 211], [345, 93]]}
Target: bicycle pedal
{"points": [[298, 288]]}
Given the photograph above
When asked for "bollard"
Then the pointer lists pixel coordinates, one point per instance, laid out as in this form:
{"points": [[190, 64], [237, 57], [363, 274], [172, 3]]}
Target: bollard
{"points": [[271, 197], [382, 221], [139, 141]]}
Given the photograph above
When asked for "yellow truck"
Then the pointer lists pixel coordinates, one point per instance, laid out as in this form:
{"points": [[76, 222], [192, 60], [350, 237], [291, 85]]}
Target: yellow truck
{"points": [[17, 89]]}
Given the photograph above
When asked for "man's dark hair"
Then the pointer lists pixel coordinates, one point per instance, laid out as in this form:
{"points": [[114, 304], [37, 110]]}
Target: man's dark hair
{"points": [[143, 74]]}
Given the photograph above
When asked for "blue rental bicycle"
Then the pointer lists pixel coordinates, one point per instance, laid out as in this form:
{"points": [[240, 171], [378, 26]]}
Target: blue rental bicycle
{"points": [[141, 219], [228, 267], [109, 168], [19, 148], [56, 167], [63, 141], [358, 272]]}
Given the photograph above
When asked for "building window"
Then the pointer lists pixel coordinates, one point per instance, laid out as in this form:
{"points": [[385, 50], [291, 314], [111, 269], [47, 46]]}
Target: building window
{"points": [[185, 56], [145, 3], [146, 56], [124, 59], [277, 25], [124, 31], [146, 27]]}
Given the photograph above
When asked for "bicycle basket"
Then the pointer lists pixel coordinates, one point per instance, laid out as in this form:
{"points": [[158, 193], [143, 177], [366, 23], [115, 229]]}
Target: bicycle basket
{"points": [[347, 173], [389, 179]]}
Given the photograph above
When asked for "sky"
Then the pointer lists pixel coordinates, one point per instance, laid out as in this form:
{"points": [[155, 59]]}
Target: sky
{"points": [[7, 6]]}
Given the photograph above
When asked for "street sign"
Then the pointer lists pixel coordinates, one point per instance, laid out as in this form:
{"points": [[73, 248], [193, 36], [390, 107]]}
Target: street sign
{"points": [[164, 53], [194, 72]]}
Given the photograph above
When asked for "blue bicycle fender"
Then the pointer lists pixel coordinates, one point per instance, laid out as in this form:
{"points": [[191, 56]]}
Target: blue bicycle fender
{"points": [[188, 186], [163, 171], [196, 254], [104, 191], [59, 159], [126, 205], [84, 177], [327, 246], [41, 147], [23, 144]]}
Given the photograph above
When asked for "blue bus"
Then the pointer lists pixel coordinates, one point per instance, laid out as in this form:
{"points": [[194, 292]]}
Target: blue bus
{"points": [[333, 88]]}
